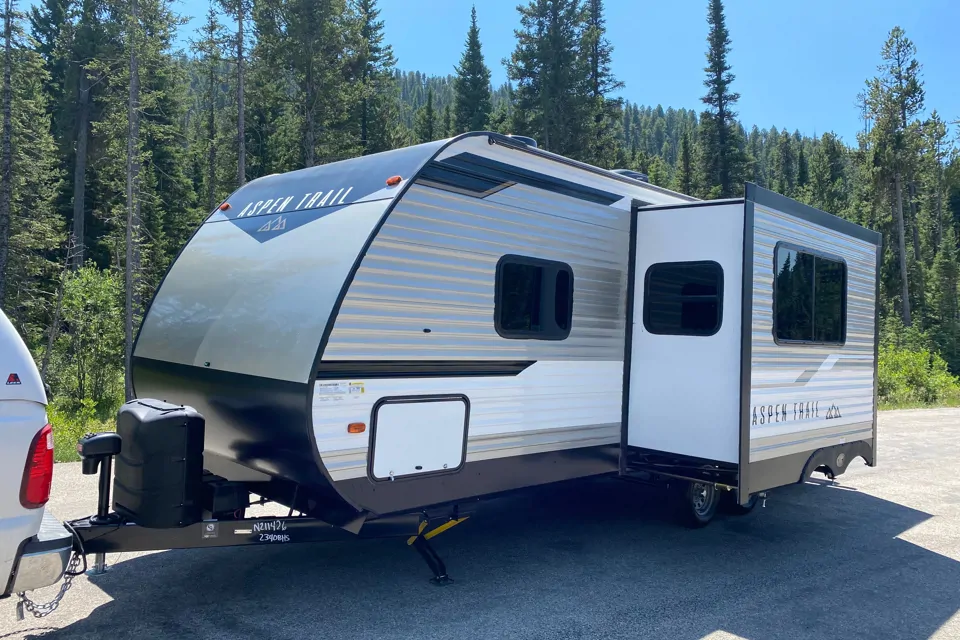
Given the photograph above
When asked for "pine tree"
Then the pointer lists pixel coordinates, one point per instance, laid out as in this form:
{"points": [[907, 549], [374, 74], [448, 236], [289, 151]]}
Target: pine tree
{"points": [[132, 263], [446, 124], [722, 161], [240, 10], [603, 112], [276, 140], [944, 294], [658, 172], [81, 47], [6, 142], [472, 84], [683, 179], [50, 23], [425, 129], [936, 151], [826, 188], [35, 226], [784, 176], [550, 98], [84, 103], [170, 207], [209, 49], [803, 168], [314, 45], [378, 105], [501, 120], [893, 99], [755, 156]]}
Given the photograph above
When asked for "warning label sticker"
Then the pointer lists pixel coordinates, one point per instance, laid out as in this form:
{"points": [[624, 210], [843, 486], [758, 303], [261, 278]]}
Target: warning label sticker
{"points": [[337, 391], [332, 388]]}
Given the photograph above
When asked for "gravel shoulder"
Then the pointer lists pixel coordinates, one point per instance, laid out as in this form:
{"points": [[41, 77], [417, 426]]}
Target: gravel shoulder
{"points": [[875, 555]]}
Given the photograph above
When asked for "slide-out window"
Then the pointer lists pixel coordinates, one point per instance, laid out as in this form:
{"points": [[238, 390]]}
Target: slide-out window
{"points": [[534, 298], [809, 297], [683, 298]]}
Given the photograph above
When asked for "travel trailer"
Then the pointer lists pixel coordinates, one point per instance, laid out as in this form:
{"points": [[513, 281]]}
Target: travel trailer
{"points": [[378, 343]]}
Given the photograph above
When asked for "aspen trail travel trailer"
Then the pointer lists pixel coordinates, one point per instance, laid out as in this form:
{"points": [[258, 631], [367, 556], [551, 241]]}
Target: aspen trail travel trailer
{"points": [[406, 332]]}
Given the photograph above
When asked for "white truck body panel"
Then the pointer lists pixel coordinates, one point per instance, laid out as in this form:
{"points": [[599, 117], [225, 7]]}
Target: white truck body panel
{"points": [[22, 415]]}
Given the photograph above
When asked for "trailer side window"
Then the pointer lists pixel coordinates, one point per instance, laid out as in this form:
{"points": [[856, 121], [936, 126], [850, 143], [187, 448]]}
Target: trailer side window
{"points": [[683, 298], [534, 299], [809, 297]]}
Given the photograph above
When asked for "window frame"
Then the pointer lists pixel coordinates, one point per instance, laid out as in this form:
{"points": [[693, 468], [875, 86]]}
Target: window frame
{"points": [[816, 253], [550, 329], [681, 332]]}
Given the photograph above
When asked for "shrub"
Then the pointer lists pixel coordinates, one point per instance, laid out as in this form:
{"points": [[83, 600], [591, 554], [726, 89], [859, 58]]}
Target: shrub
{"points": [[70, 424], [914, 376], [86, 362]]}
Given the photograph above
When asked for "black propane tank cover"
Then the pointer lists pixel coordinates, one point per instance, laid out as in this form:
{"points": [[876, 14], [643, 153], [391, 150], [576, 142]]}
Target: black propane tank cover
{"points": [[158, 479]]}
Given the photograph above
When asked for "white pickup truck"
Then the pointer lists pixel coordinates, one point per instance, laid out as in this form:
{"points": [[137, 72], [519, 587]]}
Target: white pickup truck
{"points": [[34, 547]]}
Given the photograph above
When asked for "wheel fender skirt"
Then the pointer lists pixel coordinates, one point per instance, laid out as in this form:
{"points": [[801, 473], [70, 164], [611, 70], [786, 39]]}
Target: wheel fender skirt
{"points": [[837, 458]]}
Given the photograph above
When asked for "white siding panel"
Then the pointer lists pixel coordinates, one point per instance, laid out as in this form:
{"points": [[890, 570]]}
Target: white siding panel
{"points": [[547, 407]]}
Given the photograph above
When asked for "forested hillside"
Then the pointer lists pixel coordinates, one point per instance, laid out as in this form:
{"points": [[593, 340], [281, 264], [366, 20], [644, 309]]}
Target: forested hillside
{"points": [[117, 142]]}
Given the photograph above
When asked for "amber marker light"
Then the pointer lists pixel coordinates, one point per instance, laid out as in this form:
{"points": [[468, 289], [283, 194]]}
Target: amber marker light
{"points": [[393, 181], [224, 206], [356, 427]]}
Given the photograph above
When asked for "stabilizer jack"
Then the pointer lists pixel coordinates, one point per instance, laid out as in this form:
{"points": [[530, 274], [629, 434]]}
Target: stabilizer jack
{"points": [[421, 543]]}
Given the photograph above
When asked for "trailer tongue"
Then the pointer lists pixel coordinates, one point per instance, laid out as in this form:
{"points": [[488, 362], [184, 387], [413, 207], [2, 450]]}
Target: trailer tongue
{"points": [[163, 499]]}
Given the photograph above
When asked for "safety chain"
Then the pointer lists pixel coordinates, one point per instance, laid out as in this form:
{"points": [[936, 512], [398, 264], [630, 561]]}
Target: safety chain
{"points": [[41, 610]]}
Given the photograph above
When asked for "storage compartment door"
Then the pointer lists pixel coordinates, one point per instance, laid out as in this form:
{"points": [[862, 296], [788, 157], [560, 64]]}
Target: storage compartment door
{"points": [[418, 435]]}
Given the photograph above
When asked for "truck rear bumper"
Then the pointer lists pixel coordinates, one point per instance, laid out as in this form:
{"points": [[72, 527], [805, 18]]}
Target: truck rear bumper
{"points": [[43, 558]]}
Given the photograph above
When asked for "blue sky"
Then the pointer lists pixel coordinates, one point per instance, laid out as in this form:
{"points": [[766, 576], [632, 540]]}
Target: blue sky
{"points": [[799, 64]]}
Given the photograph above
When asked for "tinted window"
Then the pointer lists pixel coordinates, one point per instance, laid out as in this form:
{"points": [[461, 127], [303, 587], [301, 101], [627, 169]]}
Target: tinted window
{"points": [[520, 308], [534, 299], [809, 297], [683, 298], [794, 293], [563, 300]]}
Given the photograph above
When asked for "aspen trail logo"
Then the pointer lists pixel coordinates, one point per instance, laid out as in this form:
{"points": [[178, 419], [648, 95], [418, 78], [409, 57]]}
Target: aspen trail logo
{"points": [[310, 200], [765, 414], [264, 228], [270, 218]]}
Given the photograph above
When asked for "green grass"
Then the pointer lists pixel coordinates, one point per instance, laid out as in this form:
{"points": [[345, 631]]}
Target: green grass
{"points": [[68, 427]]}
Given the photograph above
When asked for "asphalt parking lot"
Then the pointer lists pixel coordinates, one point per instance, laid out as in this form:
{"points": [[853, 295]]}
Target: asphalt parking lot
{"points": [[876, 555]]}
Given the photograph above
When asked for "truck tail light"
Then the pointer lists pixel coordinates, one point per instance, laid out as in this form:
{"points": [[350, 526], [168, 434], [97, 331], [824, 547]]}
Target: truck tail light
{"points": [[38, 474]]}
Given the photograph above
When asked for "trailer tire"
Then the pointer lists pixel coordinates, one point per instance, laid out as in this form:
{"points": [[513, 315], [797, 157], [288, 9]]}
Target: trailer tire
{"points": [[697, 504], [730, 505]]}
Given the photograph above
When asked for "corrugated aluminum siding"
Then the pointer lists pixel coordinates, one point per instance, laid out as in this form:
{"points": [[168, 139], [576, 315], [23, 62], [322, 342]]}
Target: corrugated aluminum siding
{"points": [[795, 377], [433, 265]]}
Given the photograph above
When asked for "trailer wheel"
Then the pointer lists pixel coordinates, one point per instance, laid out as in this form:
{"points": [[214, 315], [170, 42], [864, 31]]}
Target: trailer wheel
{"points": [[698, 504], [729, 504]]}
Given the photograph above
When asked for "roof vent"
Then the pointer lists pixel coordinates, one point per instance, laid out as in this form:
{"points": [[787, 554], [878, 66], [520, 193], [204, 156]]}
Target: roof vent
{"points": [[530, 142], [636, 175]]}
